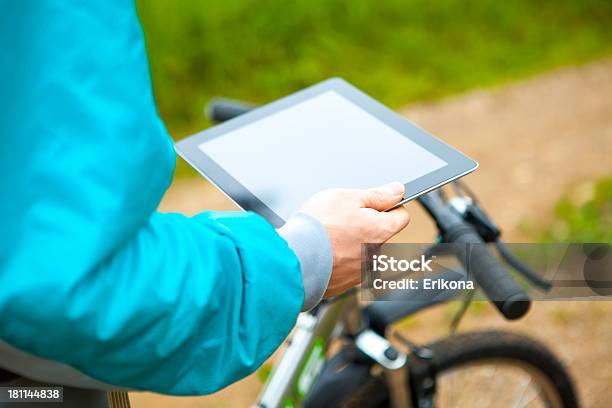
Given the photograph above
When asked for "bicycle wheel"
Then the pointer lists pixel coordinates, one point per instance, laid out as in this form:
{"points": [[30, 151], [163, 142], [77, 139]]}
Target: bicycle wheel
{"points": [[487, 369]]}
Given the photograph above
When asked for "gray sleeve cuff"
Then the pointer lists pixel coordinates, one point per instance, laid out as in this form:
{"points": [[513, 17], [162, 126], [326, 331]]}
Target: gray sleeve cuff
{"points": [[308, 238]]}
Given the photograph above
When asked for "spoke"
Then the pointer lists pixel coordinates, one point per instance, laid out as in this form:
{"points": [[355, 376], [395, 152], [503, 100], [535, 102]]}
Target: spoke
{"points": [[492, 375], [533, 396], [489, 372], [519, 404], [491, 385]]}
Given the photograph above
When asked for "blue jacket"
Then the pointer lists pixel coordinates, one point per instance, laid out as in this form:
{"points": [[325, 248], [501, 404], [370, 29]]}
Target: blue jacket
{"points": [[91, 275]]}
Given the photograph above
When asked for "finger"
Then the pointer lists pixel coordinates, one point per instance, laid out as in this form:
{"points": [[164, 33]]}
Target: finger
{"points": [[382, 198], [394, 221]]}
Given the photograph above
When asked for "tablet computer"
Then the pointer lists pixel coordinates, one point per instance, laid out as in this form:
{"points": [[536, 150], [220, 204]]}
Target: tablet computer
{"points": [[271, 159]]}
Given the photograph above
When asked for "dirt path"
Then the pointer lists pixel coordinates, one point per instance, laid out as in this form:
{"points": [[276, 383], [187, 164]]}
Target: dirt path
{"points": [[534, 140]]}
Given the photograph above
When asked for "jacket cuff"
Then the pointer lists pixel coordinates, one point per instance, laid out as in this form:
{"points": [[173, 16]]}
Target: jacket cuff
{"points": [[308, 239]]}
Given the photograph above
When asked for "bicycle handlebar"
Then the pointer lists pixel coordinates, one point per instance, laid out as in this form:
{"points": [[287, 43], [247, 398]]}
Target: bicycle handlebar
{"points": [[220, 110], [499, 286], [496, 282]]}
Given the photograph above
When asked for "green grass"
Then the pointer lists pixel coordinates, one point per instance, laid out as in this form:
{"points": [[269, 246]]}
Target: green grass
{"points": [[396, 50], [586, 218]]}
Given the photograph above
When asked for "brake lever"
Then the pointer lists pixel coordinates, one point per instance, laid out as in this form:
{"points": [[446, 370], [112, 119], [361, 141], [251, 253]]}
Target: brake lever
{"points": [[472, 213]]}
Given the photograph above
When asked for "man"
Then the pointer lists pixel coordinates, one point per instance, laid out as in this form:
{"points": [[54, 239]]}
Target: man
{"points": [[97, 288]]}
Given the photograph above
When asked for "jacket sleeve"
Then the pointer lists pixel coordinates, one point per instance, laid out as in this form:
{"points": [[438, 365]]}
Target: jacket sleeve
{"points": [[90, 275], [186, 306]]}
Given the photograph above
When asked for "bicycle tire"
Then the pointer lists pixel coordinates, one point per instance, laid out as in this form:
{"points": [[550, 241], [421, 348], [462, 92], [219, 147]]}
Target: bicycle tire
{"points": [[462, 350]]}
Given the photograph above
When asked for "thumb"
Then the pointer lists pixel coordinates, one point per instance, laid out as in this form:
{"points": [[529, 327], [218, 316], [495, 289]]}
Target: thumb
{"points": [[384, 197]]}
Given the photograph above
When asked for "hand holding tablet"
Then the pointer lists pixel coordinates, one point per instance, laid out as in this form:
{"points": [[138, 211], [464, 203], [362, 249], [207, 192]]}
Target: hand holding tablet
{"points": [[352, 217], [330, 135]]}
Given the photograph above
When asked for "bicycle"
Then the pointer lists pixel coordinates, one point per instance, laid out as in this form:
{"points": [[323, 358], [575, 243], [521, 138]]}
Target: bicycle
{"points": [[370, 371]]}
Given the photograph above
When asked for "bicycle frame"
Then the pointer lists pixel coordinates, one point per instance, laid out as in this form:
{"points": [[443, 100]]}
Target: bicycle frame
{"points": [[298, 368], [301, 364]]}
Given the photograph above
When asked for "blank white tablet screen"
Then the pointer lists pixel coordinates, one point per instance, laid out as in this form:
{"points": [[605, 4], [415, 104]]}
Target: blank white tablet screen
{"points": [[323, 142]]}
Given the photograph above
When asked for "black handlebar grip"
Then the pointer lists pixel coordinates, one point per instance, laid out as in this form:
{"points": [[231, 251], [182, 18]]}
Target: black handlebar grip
{"points": [[220, 110], [497, 283]]}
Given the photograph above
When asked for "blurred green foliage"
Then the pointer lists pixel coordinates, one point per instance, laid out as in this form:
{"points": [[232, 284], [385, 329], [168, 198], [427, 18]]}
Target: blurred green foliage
{"points": [[396, 50], [590, 221]]}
